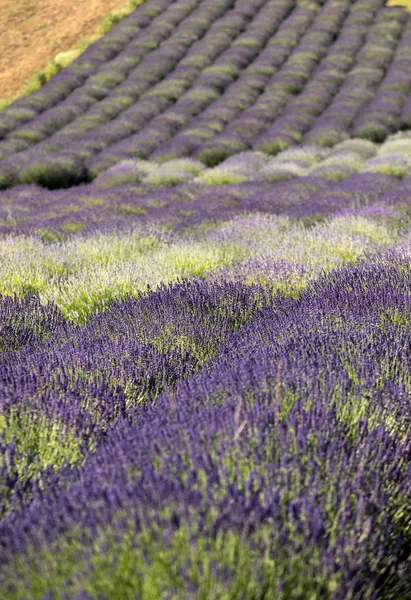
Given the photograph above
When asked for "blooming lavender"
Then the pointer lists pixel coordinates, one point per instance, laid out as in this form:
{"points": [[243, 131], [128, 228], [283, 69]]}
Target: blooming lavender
{"points": [[211, 79], [287, 439], [205, 265]]}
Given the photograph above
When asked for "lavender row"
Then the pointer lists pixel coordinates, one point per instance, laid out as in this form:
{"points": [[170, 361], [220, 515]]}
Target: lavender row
{"points": [[222, 88], [79, 380], [207, 124], [203, 92], [105, 92], [300, 113], [382, 115], [58, 214], [288, 81], [84, 274], [393, 157], [164, 74], [362, 82], [211, 83], [290, 445], [153, 68], [252, 115], [243, 92]]}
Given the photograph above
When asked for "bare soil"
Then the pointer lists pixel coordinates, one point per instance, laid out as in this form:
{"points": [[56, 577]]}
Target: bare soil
{"points": [[33, 31]]}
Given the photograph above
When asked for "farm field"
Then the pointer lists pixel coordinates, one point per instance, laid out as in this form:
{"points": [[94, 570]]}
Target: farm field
{"points": [[205, 309]]}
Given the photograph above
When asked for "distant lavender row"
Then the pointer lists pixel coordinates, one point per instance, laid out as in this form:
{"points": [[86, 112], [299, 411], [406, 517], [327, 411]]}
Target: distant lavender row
{"points": [[362, 25], [158, 80], [243, 92], [263, 104], [58, 214], [211, 78], [141, 82], [247, 130], [368, 83], [393, 157], [282, 466]]}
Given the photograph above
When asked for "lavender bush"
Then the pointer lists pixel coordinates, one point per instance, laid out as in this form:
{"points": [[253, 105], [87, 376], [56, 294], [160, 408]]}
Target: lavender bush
{"points": [[214, 78], [286, 430], [204, 347]]}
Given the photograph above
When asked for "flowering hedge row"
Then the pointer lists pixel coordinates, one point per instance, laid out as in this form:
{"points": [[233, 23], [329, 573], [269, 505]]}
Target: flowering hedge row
{"points": [[283, 465], [212, 78], [205, 349]]}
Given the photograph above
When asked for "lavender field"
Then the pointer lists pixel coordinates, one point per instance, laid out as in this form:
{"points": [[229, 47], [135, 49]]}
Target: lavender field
{"points": [[205, 309]]}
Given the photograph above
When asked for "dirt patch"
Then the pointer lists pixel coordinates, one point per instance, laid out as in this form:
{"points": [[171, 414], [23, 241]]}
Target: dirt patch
{"points": [[33, 31]]}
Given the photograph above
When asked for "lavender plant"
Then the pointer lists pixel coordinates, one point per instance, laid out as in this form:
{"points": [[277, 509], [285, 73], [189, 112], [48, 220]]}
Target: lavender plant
{"points": [[204, 348], [287, 439], [263, 75]]}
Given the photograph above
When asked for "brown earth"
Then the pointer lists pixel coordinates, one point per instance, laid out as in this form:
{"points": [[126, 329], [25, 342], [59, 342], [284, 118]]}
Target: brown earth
{"points": [[33, 31]]}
